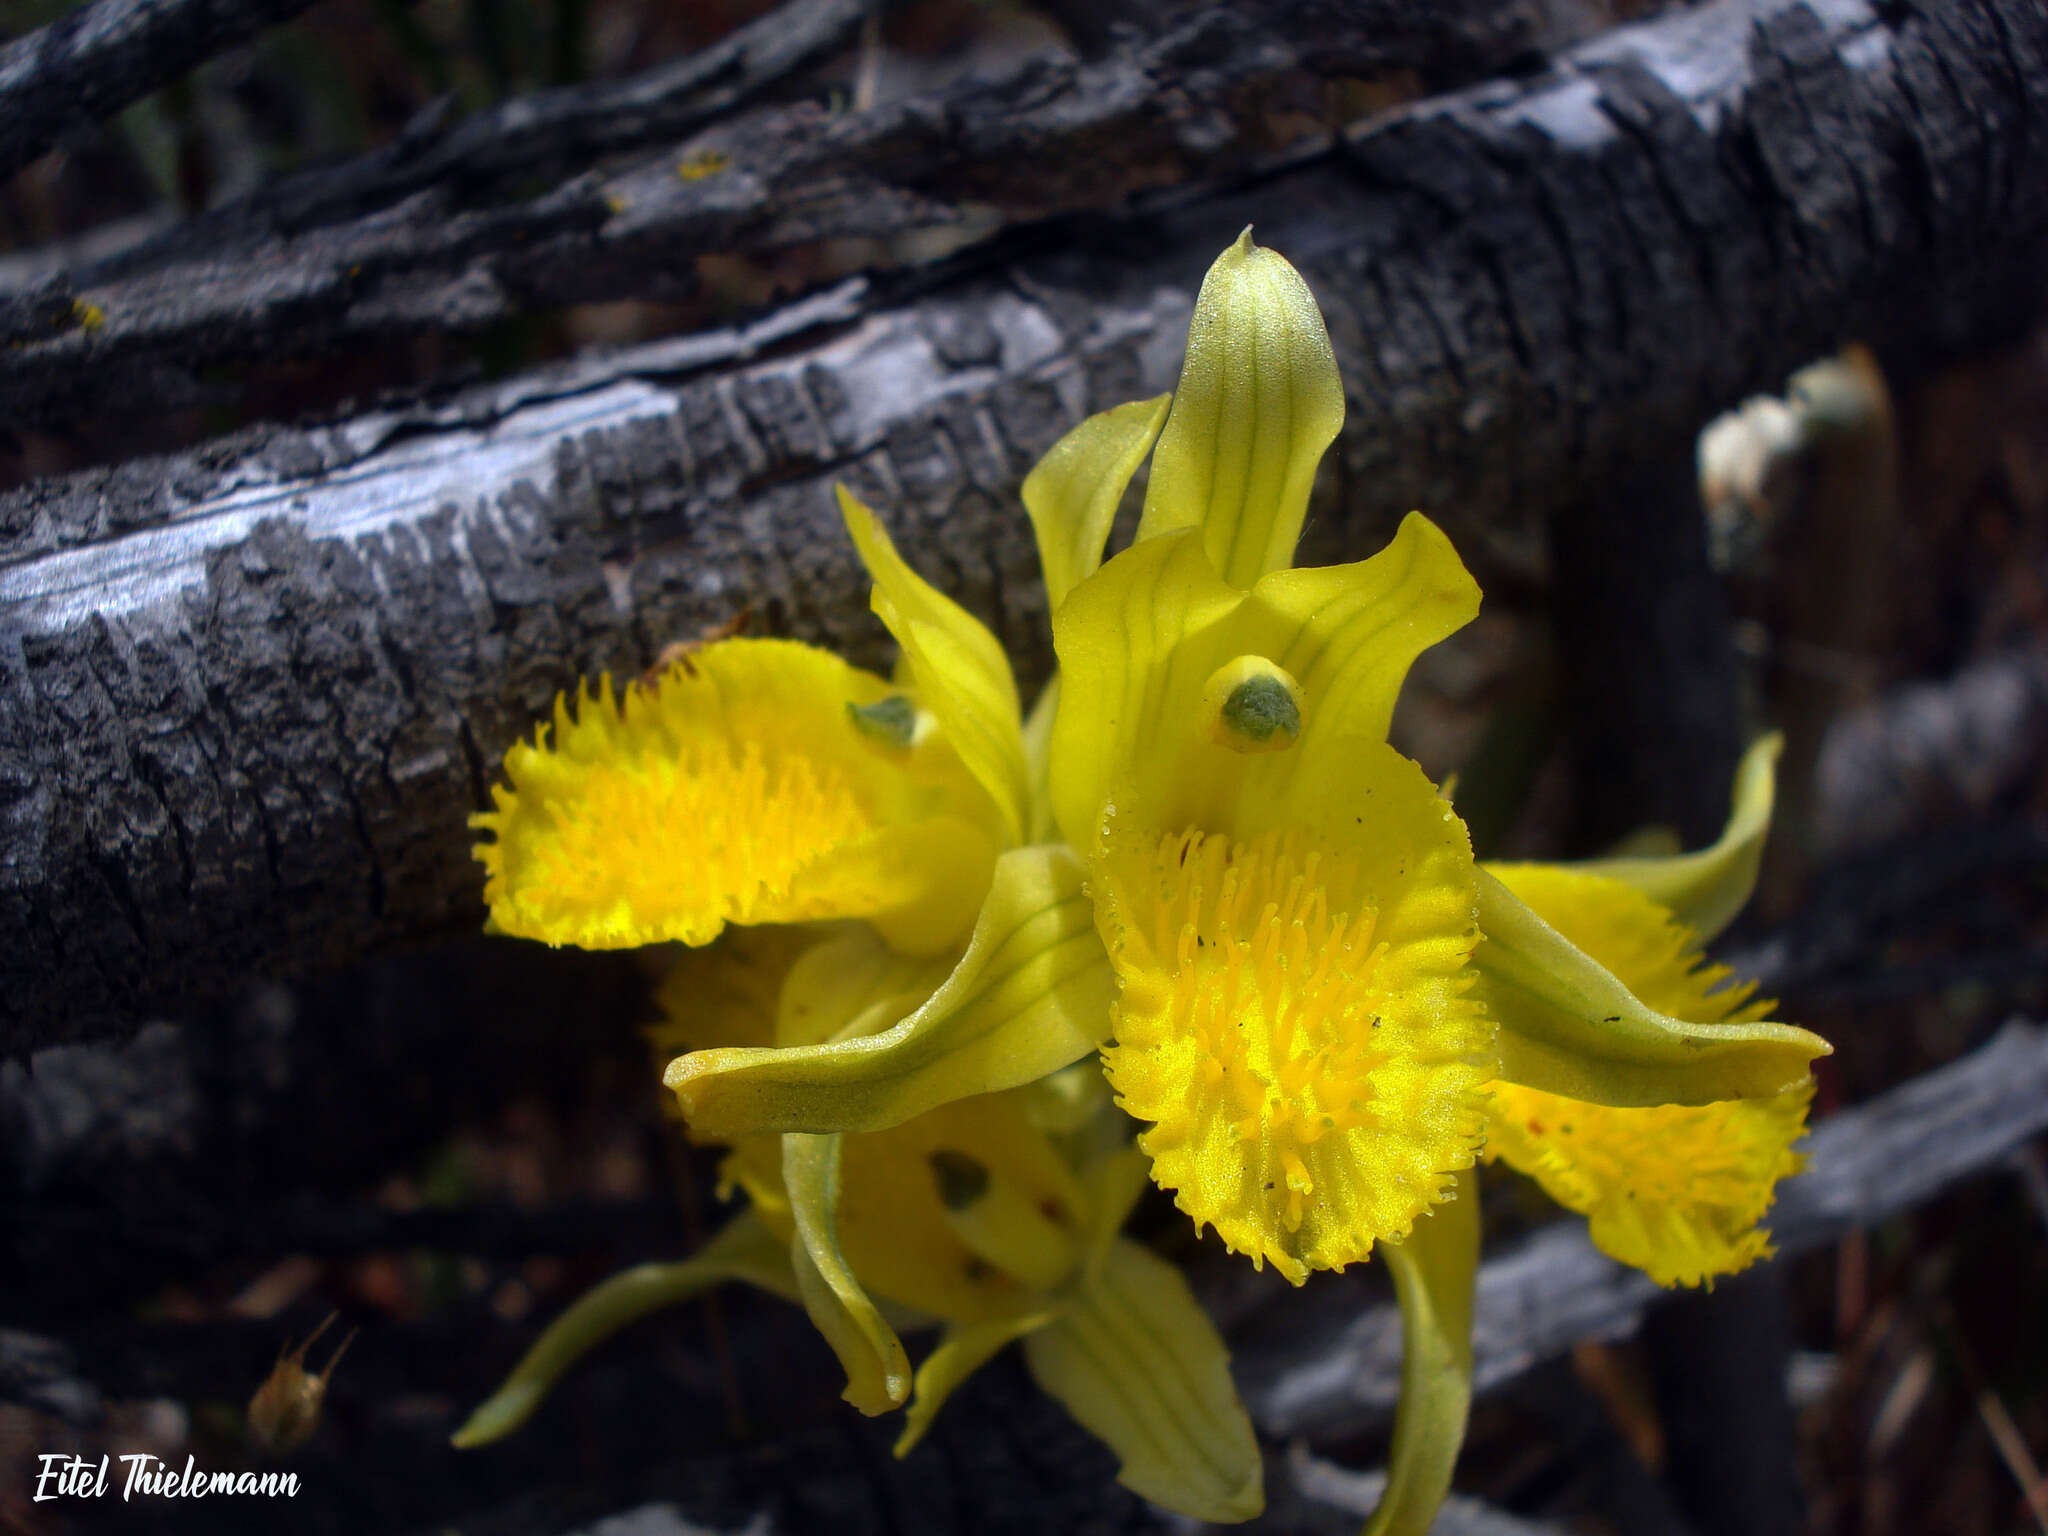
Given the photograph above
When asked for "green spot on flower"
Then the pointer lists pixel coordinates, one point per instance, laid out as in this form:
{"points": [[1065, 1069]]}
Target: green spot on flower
{"points": [[961, 1180], [892, 721], [1259, 707]]}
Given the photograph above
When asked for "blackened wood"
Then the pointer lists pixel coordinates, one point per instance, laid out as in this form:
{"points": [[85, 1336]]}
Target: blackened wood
{"points": [[1718, 1361], [1648, 657], [95, 61], [442, 231], [249, 694]]}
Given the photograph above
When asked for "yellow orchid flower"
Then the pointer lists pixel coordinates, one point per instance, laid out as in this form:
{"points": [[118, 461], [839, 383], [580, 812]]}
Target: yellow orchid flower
{"points": [[1214, 868], [850, 832]]}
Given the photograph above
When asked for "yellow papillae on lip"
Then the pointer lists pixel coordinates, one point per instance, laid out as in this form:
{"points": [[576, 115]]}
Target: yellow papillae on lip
{"points": [[1675, 1190], [1305, 1051], [739, 788]]}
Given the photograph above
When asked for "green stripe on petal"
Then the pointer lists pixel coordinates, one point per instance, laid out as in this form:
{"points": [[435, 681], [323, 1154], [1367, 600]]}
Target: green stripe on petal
{"points": [[1258, 403], [1435, 1269], [1705, 890], [1136, 1360], [1142, 641], [743, 1250], [1569, 1026], [965, 1349], [877, 1370], [1031, 994], [962, 675], [1073, 493], [1136, 650]]}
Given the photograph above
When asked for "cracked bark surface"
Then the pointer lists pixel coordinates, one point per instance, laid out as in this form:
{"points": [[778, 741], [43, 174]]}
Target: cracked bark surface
{"points": [[101, 57], [251, 692], [437, 232]]}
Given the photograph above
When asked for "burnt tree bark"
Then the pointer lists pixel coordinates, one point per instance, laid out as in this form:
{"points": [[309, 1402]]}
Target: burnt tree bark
{"points": [[103, 56], [251, 692], [440, 230]]}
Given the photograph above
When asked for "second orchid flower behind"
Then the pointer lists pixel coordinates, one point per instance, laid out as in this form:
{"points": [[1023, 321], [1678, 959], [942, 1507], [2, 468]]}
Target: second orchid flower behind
{"points": [[1198, 857]]}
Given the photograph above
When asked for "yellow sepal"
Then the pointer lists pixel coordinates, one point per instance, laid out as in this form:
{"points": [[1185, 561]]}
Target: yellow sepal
{"points": [[1141, 642], [1073, 493], [963, 1349], [1135, 1359], [1704, 890], [1675, 1190], [1040, 827], [1258, 403], [737, 788], [894, 1227], [877, 1370], [1570, 1026], [962, 675], [1031, 994], [1435, 1270], [1137, 642]]}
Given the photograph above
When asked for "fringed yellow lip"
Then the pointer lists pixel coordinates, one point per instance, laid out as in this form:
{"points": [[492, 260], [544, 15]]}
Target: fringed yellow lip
{"points": [[748, 784]]}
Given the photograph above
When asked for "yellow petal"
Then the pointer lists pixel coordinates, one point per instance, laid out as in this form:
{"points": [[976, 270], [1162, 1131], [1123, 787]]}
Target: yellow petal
{"points": [[1705, 890], [1142, 643], [1675, 1190], [965, 1349], [1435, 1269], [1293, 1016], [1349, 633], [1073, 493], [743, 1250], [1137, 642], [1259, 400], [787, 987], [963, 677], [1569, 1025], [739, 789], [894, 1229], [1136, 1360], [1031, 994], [877, 1370]]}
